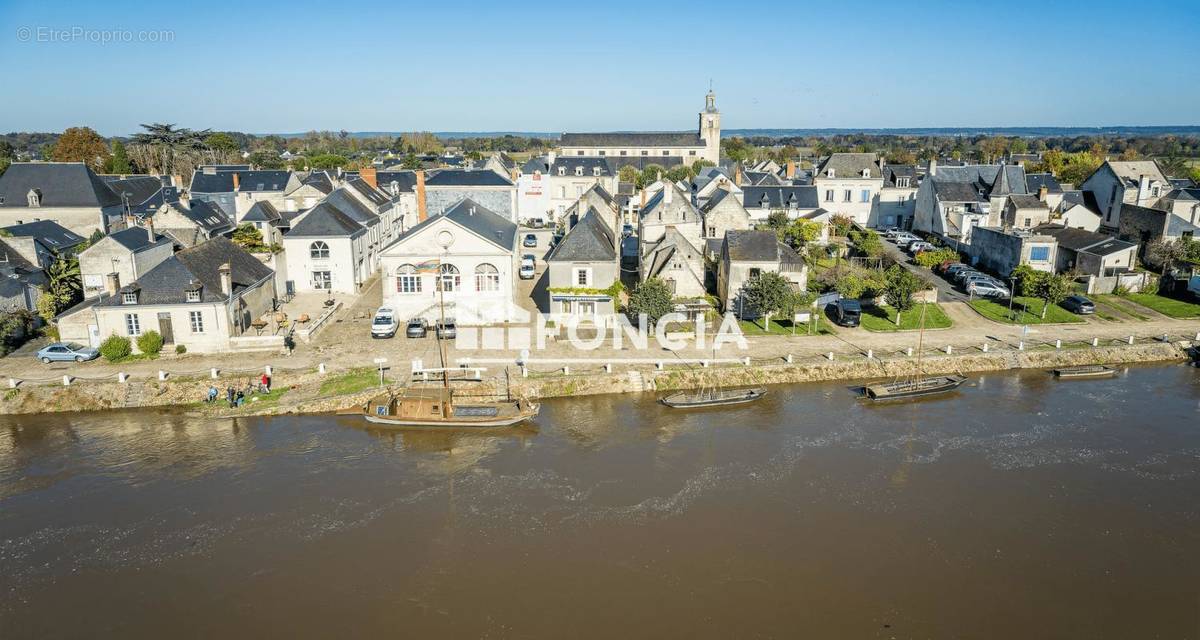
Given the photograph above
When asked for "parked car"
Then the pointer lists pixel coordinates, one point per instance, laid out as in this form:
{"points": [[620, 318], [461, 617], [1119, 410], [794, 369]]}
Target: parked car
{"points": [[416, 328], [1078, 304], [384, 325], [847, 312], [963, 274], [889, 232], [904, 238], [528, 268], [917, 247], [446, 329], [530, 240], [66, 351], [953, 270], [979, 277], [984, 289]]}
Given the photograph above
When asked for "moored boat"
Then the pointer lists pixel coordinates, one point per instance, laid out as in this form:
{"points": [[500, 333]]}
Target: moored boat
{"points": [[913, 388], [711, 398], [1086, 371], [438, 408]]}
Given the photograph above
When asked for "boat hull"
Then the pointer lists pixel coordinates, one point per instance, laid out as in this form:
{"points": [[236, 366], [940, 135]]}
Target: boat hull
{"points": [[682, 401], [905, 391], [1072, 373], [499, 421]]}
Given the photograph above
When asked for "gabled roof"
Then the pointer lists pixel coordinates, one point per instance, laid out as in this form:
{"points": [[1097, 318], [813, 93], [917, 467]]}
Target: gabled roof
{"points": [[1082, 240], [168, 282], [752, 245], [48, 233], [793, 197], [1131, 171], [1027, 202], [320, 181], [203, 214], [221, 181], [137, 238], [475, 218], [671, 244], [590, 240], [262, 211], [61, 184], [466, 178], [10, 258], [326, 220], [678, 210], [1035, 181], [850, 165], [373, 195], [139, 188], [406, 181], [351, 206], [633, 139]]}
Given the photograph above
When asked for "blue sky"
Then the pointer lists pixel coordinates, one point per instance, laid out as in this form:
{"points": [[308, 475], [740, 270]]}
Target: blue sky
{"points": [[587, 66]]}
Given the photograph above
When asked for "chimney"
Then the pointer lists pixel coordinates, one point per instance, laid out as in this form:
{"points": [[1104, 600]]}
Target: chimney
{"points": [[550, 158], [210, 171], [150, 229], [514, 175], [236, 182], [668, 190], [368, 176], [1143, 188], [226, 279], [177, 181], [112, 283], [790, 172], [737, 175], [421, 215], [933, 166], [643, 199], [1043, 191]]}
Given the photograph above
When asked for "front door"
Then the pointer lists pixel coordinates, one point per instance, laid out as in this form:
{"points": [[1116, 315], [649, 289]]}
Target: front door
{"points": [[165, 328]]}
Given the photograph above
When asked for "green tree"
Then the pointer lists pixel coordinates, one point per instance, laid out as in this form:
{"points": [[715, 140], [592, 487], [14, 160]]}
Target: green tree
{"points": [[777, 220], [221, 142], [81, 144], [266, 160], [47, 307], [699, 165], [328, 161], [411, 162], [900, 285], [1053, 289], [799, 233], [166, 150], [652, 298], [628, 173], [64, 283], [850, 285], [768, 294], [118, 161], [841, 224], [248, 237], [5, 163], [650, 174]]}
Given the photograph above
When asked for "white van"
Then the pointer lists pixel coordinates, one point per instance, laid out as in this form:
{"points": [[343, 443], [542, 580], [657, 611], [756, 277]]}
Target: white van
{"points": [[384, 325]]}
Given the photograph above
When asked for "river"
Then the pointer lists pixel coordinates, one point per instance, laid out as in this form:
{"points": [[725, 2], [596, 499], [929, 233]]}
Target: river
{"points": [[1021, 507]]}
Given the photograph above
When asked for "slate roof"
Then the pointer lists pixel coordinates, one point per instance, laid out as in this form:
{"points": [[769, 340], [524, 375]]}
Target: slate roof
{"points": [[351, 206], [221, 181], [850, 165], [326, 220], [262, 211], [320, 181], [136, 238], [757, 246], [952, 191], [405, 180], [466, 178], [375, 196], [477, 219], [795, 197], [48, 233], [61, 184], [1073, 196], [1130, 171], [679, 210], [1027, 202], [590, 240], [12, 259], [1034, 181], [977, 178], [641, 162], [673, 242], [586, 163], [168, 282], [893, 171], [139, 188], [204, 214], [632, 139], [1081, 240]]}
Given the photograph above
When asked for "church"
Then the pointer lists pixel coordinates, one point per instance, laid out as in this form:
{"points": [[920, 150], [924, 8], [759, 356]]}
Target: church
{"points": [[666, 148]]}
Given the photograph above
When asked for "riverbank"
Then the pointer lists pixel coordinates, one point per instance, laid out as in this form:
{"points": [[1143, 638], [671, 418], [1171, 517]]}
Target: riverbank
{"points": [[313, 392]]}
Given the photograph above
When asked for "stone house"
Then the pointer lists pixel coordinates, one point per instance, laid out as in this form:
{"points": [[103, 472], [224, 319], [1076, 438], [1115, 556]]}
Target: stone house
{"points": [[68, 193], [795, 201], [745, 255], [952, 201], [445, 188], [849, 184], [723, 211], [192, 223], [670, 207], [332, 247], [679, 264], [1025, 212], [1001, 250], [581, 267], [1090, 253], [142, 195], [897, 200], [234, 189], [1118, 182], [128, 253]]}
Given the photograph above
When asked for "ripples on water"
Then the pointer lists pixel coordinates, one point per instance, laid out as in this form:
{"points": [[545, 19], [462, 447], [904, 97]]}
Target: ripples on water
{"points": [[127, 492]]}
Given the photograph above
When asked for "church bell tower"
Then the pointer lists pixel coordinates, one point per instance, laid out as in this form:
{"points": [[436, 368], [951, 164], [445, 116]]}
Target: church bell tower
{"points": [[710, 128]]}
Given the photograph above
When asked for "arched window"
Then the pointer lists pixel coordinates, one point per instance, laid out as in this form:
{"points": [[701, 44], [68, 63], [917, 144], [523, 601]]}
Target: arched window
{"points": [[487, 278], [318, 250], [449, 277], [407, 280]]}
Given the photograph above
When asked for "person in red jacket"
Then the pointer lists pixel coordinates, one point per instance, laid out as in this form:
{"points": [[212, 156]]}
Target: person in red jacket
{"points": [[266, 383]]}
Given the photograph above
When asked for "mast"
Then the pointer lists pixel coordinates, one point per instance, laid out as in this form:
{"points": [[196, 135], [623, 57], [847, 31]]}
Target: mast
{"points": [[920, 344], [442, 325]]}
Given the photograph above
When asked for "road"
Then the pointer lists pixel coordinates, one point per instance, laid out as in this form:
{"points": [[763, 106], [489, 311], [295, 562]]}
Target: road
{"points": [[946, 291]]}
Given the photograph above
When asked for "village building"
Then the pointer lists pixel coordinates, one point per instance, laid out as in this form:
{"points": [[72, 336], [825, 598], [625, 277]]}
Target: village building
{"points": [[582, 269], [192, 223], [747, 254], [142, 195], [128, 253], [952, 201], [679, 264], [670, 207], [897, 199], [1119, 182], [445, 188], [848, 184], [234, 189], [681, 146], [332, 247], [68, 193]]}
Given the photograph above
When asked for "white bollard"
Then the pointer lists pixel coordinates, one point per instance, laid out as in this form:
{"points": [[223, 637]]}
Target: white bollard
{"points": [[213, 373], [162, 375], [608, 367], [831, 356], [1130, 339], [1095, 342], [122, 377], [524, 372], [1021, 346], [566, 370], [1198, 336], [66, 381], [910, 352], [1058, 344], [321, 368], [659, 365], [704, 364], [268, 370], [985, 347], [789, 358], [870, 354], [12, 383], [746, 361], [949, 349]]}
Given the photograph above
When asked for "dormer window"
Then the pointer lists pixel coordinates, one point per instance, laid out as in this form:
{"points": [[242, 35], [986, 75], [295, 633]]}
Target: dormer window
{"points": [[1154, 191], [34, 198], [902, 182], [578, 171], [192, 295], [596, 171], [129, 297], [866, 173], [829, 172], [562, 171]]}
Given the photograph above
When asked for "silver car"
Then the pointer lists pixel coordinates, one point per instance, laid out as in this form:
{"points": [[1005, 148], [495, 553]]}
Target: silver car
{"points": [[67, 352]]}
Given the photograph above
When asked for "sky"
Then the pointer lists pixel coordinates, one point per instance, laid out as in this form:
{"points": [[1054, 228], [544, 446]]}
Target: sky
{"points": [[281, 67]]}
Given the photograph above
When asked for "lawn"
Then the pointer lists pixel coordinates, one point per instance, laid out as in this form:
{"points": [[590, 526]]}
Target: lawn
{"points": [[883, 318], [1027, 311], [784, 327], [352, 381], [1173, 307], [1120, 304]]}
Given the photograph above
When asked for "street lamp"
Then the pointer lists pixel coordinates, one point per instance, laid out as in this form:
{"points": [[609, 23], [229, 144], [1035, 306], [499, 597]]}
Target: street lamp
{"points": [[1012, 289]]}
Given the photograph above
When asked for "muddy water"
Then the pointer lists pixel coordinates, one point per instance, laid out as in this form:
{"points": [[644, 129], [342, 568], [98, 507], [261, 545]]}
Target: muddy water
{"points": [[1023, 507]]}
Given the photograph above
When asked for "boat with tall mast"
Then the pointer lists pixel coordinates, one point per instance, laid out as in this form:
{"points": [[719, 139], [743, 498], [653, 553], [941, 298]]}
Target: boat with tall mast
{"points": [[916, 385], [711, 396]]}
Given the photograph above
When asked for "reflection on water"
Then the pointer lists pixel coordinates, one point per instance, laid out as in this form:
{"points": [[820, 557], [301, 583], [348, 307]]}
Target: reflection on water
{"points": [[1021, 506]]}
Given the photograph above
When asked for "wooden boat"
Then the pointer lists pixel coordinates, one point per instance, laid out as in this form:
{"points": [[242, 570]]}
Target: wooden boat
{"points": [[913, 388], [439, 408], [1087, 371], [711, 398]]}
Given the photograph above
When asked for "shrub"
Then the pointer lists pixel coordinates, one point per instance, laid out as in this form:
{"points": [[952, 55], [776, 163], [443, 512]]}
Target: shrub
{"points": [[150, 342], [180, 349], [15, 328], [116, 348], [934, 258]]}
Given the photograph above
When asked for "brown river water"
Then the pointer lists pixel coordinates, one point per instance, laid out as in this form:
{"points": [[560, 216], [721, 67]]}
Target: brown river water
{"points": [[1020, 507]]}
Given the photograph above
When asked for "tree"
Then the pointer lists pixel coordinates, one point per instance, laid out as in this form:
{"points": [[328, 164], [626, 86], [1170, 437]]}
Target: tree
{"points": [[777, 220], [1166, 253], [266, 160], [699, 165], [768, 294], [800, 232], [248, 237], [1052, 289], [650, 174], [150, 342], [116, 348], [327, 161], [900, 285], [118, 161], [222, 148], [166, 150], [841, 223], [81, 144], [628, 173], [850, 285], [411, 162], [47, 307], [652, 298], [64, 283], [867, 243]]}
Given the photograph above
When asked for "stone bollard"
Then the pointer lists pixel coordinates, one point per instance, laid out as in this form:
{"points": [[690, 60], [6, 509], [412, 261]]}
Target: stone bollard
{"points": [[12, 383], [789, 358], [162, 375], [1058, 344], [566, 370], [213, 373], [122, 377], [831, 356], [607, 367], [1130, 339], [659, 365], [870, 354], [746, 361], [66, 381], [1166, 338], [1021, 346], [321, 368], [985, 347], [268, 370], [1198, 336], [704, 364], [524, 372], [949, 349], [1095, 342], [910, 352]]}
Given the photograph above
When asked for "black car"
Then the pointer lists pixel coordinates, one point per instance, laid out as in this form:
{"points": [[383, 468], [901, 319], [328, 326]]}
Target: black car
{"points": [[1078, 304], [416, 328], [847, 312]]}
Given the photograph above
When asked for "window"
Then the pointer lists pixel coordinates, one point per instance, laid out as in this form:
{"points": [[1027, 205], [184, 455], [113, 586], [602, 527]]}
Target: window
{"points": [[865, 195], [578, 190], [624, 152], [1029, 222], [129, 297], [578, 171], [902, 183], [829, 195], [562, 191], [754, 273], [562, 171], [132, 326], [587, 308], [579, 153], [487, 278], [846, 196], [692, 152], [1154, 191], [322, 280], [666, 153], [449, 277], [1039, 254], [583, 277], [645, 152], [192, 295], [196, 320], [601, 152], [407, 280], [318, 250], [596, 171]]}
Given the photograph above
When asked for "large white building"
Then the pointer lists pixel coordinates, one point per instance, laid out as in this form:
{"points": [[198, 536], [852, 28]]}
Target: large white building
{"points": [[673, 146]]}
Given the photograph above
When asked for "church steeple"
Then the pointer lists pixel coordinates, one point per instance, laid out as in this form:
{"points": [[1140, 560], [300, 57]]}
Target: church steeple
{"points": [[710, 127]]}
